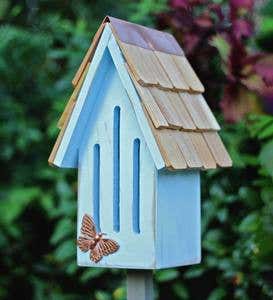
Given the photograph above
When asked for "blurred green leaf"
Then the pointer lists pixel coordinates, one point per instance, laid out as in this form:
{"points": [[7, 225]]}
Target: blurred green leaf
{"points": [[194, 272], [217, 294], [100, 295], [266, 157], [119, 294], [65, 250], [166, 275], [250, 223], [64, 228], [15, 203], [181, 291], [92, 273]]}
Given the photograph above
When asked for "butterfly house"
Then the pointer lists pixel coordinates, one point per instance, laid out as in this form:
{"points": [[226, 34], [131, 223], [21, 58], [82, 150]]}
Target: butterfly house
{"points": [[139, 131]]}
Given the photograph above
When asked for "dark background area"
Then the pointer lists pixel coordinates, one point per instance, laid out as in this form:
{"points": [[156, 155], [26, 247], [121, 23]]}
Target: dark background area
{"points": [[42, 43]]}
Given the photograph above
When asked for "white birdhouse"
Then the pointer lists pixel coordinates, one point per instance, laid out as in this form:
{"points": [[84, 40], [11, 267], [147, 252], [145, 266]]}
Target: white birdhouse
{"points": [[139, 131]]}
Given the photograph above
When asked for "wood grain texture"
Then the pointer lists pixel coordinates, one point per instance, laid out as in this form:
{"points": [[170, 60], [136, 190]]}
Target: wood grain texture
{"points": [[151, 106], [172, 70], [194, 110], [180, 109], [145, 66], [198, 106], [202, 150], [159, 73], [89, 54], [218, 149], [187, 148], [201, 111], [139, 64], [171, 152], [188, 73], [207, 111], [166, 107]]}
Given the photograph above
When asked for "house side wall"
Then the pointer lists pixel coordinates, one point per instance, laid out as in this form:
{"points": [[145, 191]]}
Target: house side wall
{"points": [[178, 229], [137, 250]]}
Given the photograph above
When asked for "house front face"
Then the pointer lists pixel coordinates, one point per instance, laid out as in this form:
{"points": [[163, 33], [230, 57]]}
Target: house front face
{"points": [[116, 174]]}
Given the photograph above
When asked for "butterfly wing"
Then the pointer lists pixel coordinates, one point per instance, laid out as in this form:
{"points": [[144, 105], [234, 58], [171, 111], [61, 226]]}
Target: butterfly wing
{"points": [[96, 253], [108, 246], [84, 243], [88, 226], [88, 230], [103, 247]]}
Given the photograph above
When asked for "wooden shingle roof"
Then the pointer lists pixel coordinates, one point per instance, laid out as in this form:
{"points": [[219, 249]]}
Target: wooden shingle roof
{"points": [[183, 125]]}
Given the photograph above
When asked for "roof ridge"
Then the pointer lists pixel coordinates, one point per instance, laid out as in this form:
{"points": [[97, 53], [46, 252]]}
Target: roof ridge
{"points": [[145, 37], [108, 19]]}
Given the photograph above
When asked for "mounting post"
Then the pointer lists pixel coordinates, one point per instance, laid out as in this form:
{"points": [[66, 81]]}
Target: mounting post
{"points": [[140, 285]]}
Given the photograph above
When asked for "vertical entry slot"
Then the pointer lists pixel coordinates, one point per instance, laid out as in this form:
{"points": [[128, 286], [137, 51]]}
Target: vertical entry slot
{"points": [[116, 169], [96, 185], [136, 183]]}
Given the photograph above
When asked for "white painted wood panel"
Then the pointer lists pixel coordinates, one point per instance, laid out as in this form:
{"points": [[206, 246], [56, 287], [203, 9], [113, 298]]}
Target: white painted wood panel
{"points": [[136, 250], [178, 228]]}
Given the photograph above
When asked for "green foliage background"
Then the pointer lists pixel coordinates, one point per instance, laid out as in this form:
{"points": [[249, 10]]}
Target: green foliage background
{"points": [[42, 44]]}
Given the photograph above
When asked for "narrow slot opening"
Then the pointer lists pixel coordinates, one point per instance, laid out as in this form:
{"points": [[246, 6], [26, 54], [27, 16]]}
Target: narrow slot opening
{"points": [[96, 185], [136, 183], [116, 169]]}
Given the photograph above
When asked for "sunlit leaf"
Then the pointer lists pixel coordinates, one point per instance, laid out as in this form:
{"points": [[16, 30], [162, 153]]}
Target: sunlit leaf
{"points": [[222, 46]]}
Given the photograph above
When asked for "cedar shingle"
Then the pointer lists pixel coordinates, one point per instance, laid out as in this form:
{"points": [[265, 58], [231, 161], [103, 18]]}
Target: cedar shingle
{"points": [[196, 114], [180, 109], [166, 107], [145, 66], [172, 70], [151, 106], [188, 73], [170, 150], [202, 150], [139, 64], [187, 148], [218, 149], [207, 112]]}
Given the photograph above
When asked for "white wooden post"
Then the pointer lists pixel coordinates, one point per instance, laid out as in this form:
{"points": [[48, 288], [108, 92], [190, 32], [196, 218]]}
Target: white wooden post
{"points": [[140, 285]]}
